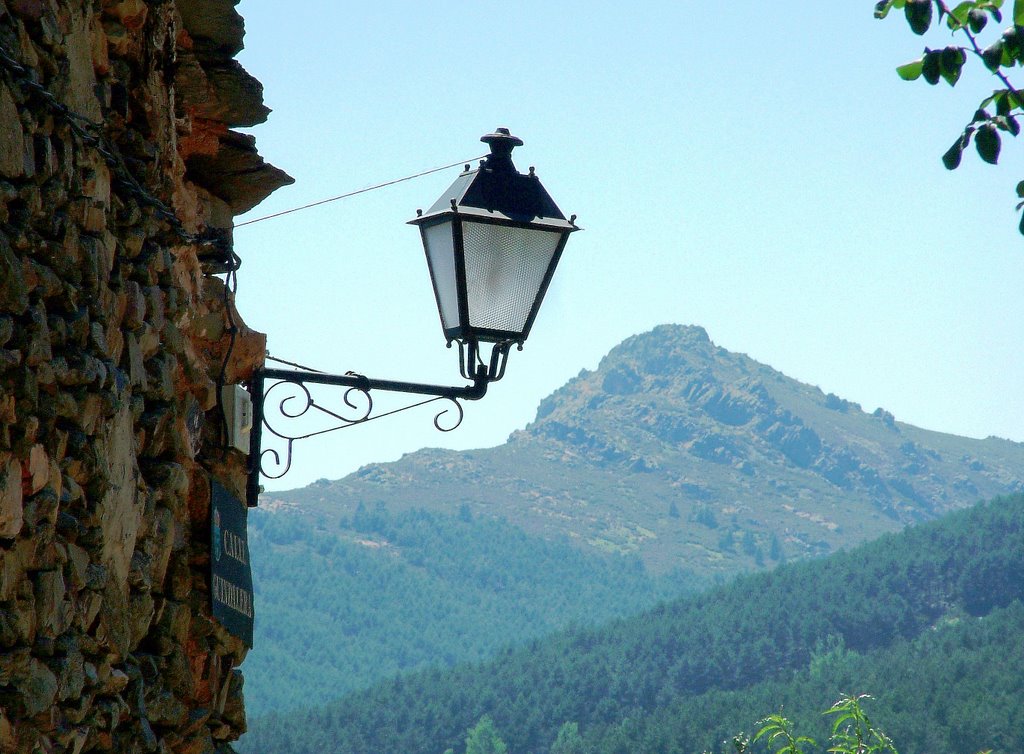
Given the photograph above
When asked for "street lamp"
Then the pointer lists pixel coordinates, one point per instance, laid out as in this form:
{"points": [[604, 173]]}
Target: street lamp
{"points": [[492, 242]]}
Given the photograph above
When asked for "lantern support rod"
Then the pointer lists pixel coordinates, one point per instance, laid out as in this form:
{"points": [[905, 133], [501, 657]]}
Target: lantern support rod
{"points": [[298, 403], [364, 384]]}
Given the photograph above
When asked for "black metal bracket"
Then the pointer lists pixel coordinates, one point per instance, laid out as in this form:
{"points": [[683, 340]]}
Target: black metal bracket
{"points": [[298, 402]]}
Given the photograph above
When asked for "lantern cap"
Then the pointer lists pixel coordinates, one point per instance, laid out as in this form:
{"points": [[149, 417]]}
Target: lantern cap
{"points": [[501, 142], [501, 136], [497, 192]]}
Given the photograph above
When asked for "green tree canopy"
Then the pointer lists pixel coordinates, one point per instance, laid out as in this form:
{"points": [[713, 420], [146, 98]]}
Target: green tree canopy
{"points": [[1000, 52], [483, 738], [569, 741]]}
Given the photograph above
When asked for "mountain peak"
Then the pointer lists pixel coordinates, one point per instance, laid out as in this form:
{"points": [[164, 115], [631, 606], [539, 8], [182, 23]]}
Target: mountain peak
{"points": [[691, 455], [673, 333], [719, 428], [663, 346], [666, 359]]}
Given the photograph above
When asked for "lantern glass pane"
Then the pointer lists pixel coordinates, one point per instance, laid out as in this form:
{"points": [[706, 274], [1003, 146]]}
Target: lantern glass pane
{"points": [[437, 240], [505, 268]]}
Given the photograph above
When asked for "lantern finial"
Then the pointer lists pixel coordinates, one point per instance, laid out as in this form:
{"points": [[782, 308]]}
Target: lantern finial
{"points": [[501, 142]]}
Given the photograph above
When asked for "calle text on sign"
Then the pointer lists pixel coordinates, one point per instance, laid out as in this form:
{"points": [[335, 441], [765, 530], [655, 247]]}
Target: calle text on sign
{"points": [[230, 572]]}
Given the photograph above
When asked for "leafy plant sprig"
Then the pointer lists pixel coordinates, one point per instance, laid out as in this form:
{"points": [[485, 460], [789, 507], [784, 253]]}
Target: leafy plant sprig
{"points": [[852, 731], [970, 18], [778, 731]]}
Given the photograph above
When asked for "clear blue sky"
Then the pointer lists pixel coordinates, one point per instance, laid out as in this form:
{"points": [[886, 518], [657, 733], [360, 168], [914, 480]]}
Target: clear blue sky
{"points": [[755, 168]]}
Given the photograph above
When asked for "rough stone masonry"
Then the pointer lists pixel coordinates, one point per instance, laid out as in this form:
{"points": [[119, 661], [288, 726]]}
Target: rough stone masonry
{"points": [[119, 179]]}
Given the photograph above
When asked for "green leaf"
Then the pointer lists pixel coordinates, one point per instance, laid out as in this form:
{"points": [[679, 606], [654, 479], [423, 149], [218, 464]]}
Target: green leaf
{"points": [[882, 7], [977, 20], [1011, 44], [953, 156], [1020, 189], [988, 143], [840, 720], [993, 56], [1018, 12], [958, 16], [992, 6], [930, 68], [912, 70], [960, 12], [951, 63], [919, 15], [1022, 225]]}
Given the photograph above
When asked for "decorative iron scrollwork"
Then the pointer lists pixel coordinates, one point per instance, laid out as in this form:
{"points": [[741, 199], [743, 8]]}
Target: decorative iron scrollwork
{"points": [[296, 414], [458, 419], [297, 403]]}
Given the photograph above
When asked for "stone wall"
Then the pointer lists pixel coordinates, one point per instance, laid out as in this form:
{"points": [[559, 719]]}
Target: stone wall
{"points": [[119, 178]]}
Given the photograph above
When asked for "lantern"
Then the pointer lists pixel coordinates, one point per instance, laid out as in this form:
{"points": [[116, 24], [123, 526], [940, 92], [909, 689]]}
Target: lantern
{"points": [[492, 242]]}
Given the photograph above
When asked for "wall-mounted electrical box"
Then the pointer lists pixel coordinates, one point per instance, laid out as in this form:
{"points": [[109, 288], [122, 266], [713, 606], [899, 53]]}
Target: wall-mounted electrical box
{"points": [[238, 410]]}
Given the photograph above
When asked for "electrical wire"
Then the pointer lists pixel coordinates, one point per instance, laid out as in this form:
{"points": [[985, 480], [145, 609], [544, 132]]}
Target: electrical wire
{"points": [[360, 191], [268, 357]]}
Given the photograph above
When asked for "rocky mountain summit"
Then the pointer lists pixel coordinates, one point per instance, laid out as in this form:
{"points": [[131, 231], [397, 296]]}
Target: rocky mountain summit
{"points": [[694, 457]]}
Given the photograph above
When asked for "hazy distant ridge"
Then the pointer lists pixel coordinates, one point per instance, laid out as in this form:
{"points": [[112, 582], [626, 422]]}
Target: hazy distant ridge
{"points": [[692, 456]]}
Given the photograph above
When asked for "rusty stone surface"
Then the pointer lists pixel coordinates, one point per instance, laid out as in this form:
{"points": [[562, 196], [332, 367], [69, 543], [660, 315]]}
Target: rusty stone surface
{"points": [[12, 138], [236, 173], [215, 26], [223, 93], [11, 497], [114, 332]]}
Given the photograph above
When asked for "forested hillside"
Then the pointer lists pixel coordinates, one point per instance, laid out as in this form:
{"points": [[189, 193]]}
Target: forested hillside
{"points": [[953, 689], [675, 454], [931, 608], [383, 594]]}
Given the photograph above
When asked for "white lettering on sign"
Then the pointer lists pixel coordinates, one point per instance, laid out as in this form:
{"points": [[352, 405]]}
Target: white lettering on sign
{"points": [[234, 547], [235, 597]]}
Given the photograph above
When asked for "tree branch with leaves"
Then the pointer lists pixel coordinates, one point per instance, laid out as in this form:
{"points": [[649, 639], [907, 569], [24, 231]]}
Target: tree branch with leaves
{"points": [[997, 115]]}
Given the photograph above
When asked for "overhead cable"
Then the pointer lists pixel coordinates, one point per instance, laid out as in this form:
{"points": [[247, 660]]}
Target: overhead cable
{"points": [[360, 191]]}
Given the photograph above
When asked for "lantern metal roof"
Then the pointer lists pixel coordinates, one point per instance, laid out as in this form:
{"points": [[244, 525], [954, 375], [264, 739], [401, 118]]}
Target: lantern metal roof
{"points": [[498, 192]]}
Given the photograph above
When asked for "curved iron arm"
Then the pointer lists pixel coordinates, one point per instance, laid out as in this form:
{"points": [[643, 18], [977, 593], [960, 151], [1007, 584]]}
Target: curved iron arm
{"points": [[482, 376]]}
